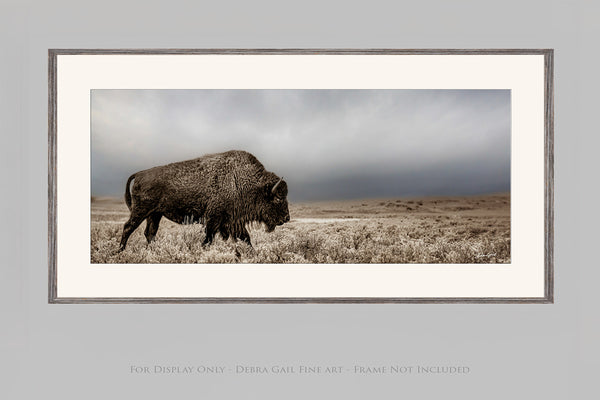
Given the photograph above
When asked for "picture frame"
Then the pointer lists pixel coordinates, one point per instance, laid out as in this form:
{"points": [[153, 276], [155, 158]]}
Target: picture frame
{"points": [[74, 72]]}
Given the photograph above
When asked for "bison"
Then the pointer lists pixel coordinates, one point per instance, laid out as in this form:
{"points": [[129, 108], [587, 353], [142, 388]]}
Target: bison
{"points": [[224, 191]]}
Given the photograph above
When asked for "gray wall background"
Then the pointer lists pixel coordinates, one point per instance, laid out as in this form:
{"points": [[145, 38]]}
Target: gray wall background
{"points": [[84, 351]]}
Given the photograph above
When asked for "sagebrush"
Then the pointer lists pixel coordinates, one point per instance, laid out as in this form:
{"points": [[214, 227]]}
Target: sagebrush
{"points": [[429, 230]]}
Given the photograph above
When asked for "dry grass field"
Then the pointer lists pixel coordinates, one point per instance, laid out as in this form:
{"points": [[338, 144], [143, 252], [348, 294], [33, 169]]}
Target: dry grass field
{"points": [[472, 229]]}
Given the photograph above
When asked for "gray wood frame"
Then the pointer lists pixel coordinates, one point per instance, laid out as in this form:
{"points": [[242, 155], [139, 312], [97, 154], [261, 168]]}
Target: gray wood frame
{"points": [[548, 174]]}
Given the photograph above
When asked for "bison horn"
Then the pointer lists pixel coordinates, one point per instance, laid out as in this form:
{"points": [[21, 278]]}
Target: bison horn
{"points": [[277, 184]]}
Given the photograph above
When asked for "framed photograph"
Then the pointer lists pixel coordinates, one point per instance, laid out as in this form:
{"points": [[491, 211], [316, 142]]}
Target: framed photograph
{"points": [[300, 176]]}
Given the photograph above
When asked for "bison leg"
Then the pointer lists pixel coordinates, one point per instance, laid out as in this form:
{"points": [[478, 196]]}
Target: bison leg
{"points": [[216, 223], [134, 221], [224, 233], [152, 226], [212, 225], [244, 236]]}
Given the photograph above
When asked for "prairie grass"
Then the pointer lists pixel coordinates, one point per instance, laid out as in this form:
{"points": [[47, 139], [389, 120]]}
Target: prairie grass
{"points": [[424, 230]]}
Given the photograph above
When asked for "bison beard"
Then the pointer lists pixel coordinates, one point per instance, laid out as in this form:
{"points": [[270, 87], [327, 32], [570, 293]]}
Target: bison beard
{"points": [[225, 191]]}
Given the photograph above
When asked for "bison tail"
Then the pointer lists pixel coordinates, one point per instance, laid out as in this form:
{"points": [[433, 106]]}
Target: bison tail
{"points": [[128, 192]]}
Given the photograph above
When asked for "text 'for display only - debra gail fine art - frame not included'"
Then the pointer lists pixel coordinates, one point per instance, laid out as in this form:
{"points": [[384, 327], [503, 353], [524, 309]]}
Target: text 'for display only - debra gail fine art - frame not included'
{"points": [[301, 176]]}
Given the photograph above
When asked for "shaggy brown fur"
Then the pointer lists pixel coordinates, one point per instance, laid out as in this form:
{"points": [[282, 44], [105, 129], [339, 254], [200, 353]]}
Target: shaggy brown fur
{"points": [[224, 191]]}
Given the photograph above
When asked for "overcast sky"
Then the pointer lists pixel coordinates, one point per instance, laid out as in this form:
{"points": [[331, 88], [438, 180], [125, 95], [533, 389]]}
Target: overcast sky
{"points": [[327, 144]]}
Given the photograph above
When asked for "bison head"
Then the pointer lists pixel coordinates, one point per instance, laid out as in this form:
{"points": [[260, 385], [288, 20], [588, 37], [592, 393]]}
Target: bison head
{"points": [[275, 210]]}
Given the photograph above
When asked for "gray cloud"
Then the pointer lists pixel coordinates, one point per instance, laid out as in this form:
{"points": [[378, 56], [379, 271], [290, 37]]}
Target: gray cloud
{"points": [[327, 143]]}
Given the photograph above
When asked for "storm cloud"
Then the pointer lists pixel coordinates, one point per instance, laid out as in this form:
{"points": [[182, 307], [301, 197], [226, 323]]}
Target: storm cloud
{"points": [[327, 144]]}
